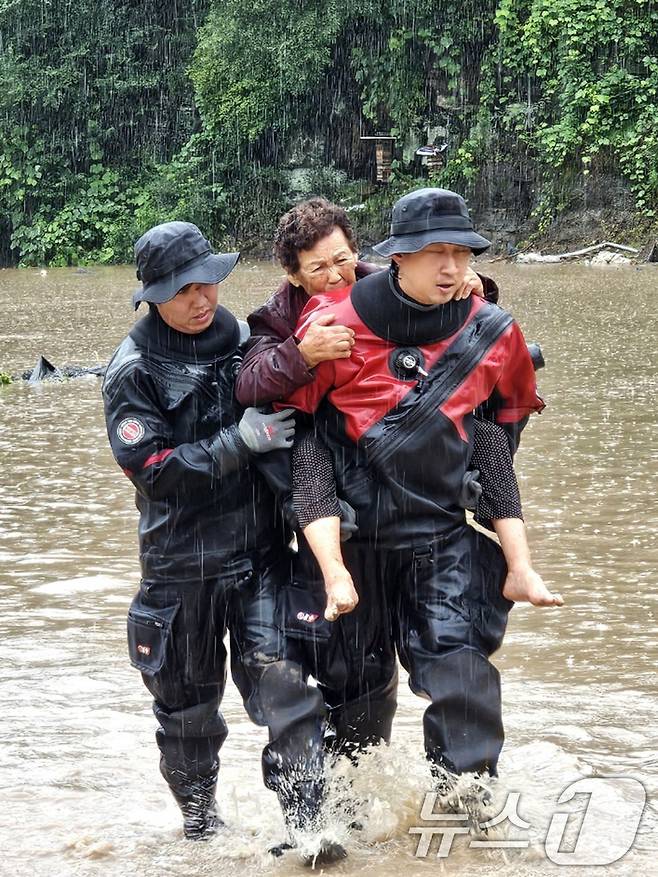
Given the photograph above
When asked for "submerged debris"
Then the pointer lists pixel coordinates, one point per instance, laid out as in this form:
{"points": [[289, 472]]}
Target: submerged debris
{"points": [[44, 370], [607, 257], [600, 258]]}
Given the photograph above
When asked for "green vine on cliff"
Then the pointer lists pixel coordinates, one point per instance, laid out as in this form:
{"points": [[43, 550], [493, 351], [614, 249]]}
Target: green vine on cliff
{"points": [[587, 74], [125, 115]]}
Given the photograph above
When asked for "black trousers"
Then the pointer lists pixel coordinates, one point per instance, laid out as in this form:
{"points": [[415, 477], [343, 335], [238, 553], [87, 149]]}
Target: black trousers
{"points": [[441, 605], [175, 634], [353, 658]]}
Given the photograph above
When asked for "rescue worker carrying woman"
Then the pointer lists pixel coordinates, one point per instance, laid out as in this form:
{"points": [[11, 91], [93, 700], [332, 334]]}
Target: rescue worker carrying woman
{"points": [[315, 245], [398, 419]]}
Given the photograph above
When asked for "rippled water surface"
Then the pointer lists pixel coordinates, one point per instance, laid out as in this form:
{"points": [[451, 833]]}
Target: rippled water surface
{"points": [[81, 792]]}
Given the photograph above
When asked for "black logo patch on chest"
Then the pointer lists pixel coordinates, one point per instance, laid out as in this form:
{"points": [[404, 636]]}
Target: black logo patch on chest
{"points": [[407, 364]]}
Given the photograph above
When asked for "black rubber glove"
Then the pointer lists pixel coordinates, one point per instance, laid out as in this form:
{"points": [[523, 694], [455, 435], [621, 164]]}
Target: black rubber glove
{"points": [[263, 432], [347, 520], [471, 490]]}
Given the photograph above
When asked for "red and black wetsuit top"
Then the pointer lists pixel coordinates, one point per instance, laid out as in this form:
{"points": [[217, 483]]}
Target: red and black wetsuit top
{"points": [[414, 496]]}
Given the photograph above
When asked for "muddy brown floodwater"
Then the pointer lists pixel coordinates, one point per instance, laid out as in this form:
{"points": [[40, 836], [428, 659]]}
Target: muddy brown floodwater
{"points": [[81, 792]]}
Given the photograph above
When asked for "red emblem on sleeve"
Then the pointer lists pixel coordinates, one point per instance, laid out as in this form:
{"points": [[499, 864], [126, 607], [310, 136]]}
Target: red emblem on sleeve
{"points": [[130, 431]]}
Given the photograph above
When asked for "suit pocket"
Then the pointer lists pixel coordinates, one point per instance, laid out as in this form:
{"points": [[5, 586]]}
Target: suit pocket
{"points": [[149, 635], [300, 612]]}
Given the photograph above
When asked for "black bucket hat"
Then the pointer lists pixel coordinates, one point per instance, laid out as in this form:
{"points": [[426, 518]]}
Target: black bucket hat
{"points": [[171, 255], [430, 216]]}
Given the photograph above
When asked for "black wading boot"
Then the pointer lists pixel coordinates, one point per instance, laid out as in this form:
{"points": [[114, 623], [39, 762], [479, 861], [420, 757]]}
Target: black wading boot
{"points": [[201, 819], [301, 803]]}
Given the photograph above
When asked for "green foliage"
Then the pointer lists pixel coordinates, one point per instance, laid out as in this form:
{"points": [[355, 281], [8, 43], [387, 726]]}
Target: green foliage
{"points": [[426, 61], [391, 83], [589, 74], [272, 75], [89, 227], [5, 379], [372, 223], [109, 73], [117, 116], [93, 95], [256, 63], [188, 188]]}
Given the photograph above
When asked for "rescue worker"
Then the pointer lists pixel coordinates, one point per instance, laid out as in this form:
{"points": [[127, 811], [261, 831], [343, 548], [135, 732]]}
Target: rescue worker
{"points": [[316, 247], [212, 543], [397, 416]]}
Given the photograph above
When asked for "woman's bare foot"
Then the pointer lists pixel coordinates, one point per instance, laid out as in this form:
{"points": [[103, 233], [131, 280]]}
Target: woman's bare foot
{"points": [[341, 593], [526, 586]]}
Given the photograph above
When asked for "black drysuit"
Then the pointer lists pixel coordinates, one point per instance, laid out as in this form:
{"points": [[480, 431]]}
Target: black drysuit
{"points": [[213, 556]]}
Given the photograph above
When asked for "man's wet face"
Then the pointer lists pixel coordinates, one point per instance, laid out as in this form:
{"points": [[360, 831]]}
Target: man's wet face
{"points": [[433, 275], [330, 264], [192, 309]]}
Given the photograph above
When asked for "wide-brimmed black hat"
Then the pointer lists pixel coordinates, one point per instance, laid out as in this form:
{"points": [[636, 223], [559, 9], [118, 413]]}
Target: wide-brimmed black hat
{"points": [[430, 216], [171, 255]]}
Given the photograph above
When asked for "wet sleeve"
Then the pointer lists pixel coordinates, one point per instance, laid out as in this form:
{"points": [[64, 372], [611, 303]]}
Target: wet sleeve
{"points": [[490, 288], [273, 366], [307, 398], [313, 481], [516, 388], [492, 457], [142, 443]]}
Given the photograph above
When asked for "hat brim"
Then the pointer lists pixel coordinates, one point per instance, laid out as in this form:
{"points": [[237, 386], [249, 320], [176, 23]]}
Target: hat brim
{"points": [[213, 269], [413, 243]]}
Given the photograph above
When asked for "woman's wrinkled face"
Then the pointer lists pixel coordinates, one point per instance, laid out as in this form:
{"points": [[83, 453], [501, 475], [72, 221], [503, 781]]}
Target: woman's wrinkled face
{"points": [[329, 265], [192, 309]]}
